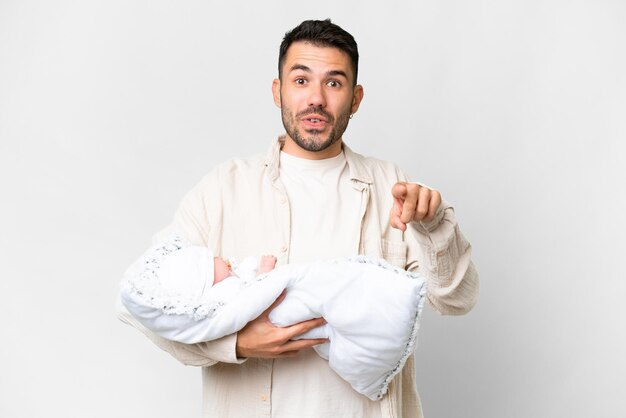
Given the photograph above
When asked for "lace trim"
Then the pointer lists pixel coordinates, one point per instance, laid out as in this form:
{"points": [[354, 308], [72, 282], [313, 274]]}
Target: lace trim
{"points": [[381, 263], [142, 281], [408, 349], [411, 343]]}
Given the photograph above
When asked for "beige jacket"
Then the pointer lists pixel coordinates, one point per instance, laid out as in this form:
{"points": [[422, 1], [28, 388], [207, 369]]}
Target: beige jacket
{"points": [[240, 209]]}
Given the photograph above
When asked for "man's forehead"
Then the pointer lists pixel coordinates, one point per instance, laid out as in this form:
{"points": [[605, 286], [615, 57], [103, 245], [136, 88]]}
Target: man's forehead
{"points": [[316, 57]]}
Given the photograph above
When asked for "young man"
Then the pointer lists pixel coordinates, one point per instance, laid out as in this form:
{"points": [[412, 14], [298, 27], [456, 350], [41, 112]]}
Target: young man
{"points": [[310, 198]]}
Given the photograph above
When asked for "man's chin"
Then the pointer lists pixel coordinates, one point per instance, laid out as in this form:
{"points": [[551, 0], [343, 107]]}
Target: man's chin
{"points": [[315, 132], [313, 143]]}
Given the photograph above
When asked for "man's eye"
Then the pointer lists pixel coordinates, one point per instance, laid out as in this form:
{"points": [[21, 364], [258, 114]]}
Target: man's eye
{"points": [[300, 81], [333, 83]]}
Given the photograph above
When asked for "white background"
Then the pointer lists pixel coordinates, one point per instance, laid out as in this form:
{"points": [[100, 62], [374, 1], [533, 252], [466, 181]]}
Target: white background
{"points": [[516, 110]]}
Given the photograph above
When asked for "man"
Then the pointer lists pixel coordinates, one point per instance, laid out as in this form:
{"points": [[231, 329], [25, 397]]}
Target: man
{"points": [[311, 197]]}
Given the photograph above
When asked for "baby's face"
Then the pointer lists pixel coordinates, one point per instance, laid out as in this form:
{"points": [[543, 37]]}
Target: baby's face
{"points": [[221, 269]]}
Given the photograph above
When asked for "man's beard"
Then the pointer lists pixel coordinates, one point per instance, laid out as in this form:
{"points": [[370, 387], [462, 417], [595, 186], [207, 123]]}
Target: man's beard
{"points": [[313, 141]]}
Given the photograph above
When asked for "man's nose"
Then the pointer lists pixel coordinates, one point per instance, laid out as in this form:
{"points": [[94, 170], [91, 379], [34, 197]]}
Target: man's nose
{"points": [[317, 96]]}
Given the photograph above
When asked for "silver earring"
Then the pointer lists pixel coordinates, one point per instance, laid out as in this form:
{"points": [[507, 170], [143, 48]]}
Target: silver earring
{"points": [[351, 115]]}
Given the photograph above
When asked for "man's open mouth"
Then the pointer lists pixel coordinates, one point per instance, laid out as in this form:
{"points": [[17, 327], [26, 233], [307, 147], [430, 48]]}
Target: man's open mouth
{"points": [[314, 121]]}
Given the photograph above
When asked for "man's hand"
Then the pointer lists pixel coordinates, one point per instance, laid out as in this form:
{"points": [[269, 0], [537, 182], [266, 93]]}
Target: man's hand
{"points": [[260, 338], [412, 202]]}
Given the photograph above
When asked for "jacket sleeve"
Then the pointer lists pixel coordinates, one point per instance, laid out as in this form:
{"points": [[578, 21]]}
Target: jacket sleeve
{"points": [[440, 252], [443, 256], [191, 222]]}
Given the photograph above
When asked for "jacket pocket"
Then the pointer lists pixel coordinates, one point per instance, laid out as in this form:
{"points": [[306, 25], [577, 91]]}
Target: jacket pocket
{"points": [[394, 252]]}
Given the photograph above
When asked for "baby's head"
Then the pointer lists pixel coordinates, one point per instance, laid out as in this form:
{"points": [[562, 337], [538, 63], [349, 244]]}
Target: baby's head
{"points": [[221, 269]]}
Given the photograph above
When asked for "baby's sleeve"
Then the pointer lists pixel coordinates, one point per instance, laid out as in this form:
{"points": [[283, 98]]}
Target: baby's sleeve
{"points": [[246, 270]]}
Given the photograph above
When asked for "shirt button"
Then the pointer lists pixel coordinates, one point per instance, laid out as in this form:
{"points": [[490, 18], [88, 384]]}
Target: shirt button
{"points": [[263, 398], [283, 248], [283, 200]]}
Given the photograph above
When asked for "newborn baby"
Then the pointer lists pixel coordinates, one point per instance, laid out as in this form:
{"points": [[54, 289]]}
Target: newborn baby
{"points": [[183, 293]]}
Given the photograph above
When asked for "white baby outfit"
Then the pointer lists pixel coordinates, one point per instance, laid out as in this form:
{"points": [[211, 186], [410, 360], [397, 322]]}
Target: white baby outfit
{"points": [[371, 308]]}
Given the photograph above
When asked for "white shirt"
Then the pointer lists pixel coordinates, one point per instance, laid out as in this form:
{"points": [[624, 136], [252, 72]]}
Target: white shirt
{"points": [[323, 208]]}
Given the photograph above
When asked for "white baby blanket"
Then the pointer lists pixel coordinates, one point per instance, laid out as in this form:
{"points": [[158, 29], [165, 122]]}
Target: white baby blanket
{"points": [[371, 308]]}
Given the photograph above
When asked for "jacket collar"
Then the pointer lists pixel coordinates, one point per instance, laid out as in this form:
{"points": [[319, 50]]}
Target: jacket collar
{"points": [[358, 171]]}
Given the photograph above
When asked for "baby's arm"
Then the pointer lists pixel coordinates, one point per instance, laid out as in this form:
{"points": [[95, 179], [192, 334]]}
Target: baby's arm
{"points": [[267, 263]]}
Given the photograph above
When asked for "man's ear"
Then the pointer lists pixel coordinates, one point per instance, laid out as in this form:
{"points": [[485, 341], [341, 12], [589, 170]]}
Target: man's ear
{"points": [[356, 99], [276, 92]]}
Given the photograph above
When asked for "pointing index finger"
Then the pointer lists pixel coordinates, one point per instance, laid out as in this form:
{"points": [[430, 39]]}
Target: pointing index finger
{"points": [[399, 190], [410, 203]]}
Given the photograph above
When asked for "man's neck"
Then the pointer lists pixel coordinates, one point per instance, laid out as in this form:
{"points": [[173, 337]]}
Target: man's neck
{"points": [[290, 147]]}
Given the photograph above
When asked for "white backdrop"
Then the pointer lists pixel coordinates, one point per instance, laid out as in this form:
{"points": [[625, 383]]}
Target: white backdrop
{"points": [[111, 110]]}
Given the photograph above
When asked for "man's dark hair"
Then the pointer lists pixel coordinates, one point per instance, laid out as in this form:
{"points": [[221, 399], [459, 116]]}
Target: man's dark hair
{"points": [[322, 33]]}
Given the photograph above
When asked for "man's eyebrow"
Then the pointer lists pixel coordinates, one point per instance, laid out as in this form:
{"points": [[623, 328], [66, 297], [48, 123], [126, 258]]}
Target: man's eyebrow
{"points": [[336, 73], [331, 73], [300, 67]]}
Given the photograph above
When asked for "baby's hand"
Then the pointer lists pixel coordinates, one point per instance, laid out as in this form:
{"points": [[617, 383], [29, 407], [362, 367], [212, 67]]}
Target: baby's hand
{"points": [[267, 263]]}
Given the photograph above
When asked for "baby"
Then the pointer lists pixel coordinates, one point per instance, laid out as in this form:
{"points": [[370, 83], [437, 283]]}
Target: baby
{"points": [[183, 293]]}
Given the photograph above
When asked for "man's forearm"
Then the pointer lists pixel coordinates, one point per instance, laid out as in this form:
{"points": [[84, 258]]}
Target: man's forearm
{"points": [[200, 354]]}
